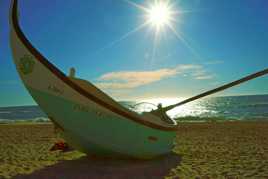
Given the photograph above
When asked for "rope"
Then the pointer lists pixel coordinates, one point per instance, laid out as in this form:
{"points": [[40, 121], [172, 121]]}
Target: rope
{"points": [[221, 88]]}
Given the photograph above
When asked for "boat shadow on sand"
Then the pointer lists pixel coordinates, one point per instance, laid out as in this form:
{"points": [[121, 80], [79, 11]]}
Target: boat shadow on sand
{"points": [[86, 167]]}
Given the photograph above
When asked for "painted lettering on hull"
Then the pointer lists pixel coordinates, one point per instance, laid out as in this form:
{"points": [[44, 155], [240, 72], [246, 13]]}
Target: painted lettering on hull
{"points": [[55, 89], [83, 108]]}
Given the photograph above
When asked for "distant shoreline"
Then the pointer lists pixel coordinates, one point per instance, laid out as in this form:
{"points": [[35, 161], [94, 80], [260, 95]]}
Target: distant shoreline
{"points": [[180, 121], [242, 95], [223, 108]]}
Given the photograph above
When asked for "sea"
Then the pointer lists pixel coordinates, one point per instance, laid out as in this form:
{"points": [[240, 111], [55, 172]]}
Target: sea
{"points": [[254, 107]]}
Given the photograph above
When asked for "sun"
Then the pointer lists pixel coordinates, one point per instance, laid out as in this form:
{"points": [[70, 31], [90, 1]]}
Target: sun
{"points": [[159, 14], [162, 16]]}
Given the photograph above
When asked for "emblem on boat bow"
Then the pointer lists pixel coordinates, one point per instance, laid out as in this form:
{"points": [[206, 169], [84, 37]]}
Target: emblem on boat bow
{"points": [[26, 64]]}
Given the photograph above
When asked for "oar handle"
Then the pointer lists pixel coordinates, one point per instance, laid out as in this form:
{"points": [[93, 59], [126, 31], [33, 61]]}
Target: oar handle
{"points": [[221, 88]]}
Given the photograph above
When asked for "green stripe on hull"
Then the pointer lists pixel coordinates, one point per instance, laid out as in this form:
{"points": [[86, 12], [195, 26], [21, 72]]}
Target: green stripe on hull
{"points": [[101, 134]]}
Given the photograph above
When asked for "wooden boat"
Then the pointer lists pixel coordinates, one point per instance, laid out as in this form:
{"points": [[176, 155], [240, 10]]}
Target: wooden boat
{"points": [[90, 120]]}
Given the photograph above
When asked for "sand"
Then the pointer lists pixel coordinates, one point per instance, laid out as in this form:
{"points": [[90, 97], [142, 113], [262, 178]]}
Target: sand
{"points": [[203, 150], [222, 150]]}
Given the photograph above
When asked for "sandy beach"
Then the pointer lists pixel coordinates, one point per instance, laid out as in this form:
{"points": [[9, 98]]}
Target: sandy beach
{"points": [[203, 150]]}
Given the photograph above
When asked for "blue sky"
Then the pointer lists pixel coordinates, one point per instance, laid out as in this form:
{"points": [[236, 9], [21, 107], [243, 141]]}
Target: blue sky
{"points": [[225, 41]]}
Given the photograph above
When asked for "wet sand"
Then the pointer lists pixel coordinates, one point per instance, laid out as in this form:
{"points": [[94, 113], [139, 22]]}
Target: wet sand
{"points": [[203, 150]]}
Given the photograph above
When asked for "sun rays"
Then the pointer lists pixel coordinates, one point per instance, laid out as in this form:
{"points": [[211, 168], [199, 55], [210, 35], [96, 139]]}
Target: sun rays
{"points": [[163, 16], [159, 14], [160, 17]]}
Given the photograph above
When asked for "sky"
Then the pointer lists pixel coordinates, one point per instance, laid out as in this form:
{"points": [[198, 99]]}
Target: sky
{"points": [[215, 42]]}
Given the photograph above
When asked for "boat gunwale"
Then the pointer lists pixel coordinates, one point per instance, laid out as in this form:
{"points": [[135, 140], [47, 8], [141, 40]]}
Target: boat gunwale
{"points": [[59, 74]]}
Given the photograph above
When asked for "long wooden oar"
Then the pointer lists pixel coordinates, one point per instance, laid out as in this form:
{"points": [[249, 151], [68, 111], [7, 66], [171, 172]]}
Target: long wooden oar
{"points": [[221, 88]]}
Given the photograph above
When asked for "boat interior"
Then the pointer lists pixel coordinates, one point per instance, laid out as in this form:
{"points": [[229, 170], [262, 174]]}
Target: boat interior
{"points": [[160, 118]]}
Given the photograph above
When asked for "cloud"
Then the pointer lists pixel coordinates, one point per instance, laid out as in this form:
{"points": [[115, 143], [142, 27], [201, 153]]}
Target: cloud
{"points": [[202, 74], [134, 79], [204, 77]]}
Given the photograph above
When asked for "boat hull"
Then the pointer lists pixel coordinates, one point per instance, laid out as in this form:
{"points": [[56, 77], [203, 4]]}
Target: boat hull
{"points": [[103, 135], [89, 124]]}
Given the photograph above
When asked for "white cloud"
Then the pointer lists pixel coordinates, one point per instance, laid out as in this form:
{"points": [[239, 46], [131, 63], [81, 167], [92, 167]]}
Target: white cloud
{"points": [[204, 77], [202, 74], [134, 79]]}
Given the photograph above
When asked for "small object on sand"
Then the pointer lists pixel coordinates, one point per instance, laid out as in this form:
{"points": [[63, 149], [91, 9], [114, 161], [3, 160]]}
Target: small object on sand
{"points": [[62, 146]]}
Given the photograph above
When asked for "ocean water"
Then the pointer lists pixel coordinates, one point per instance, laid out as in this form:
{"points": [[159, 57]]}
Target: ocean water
{"points": [[234, 108], [22, 113], [223, 108]]}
